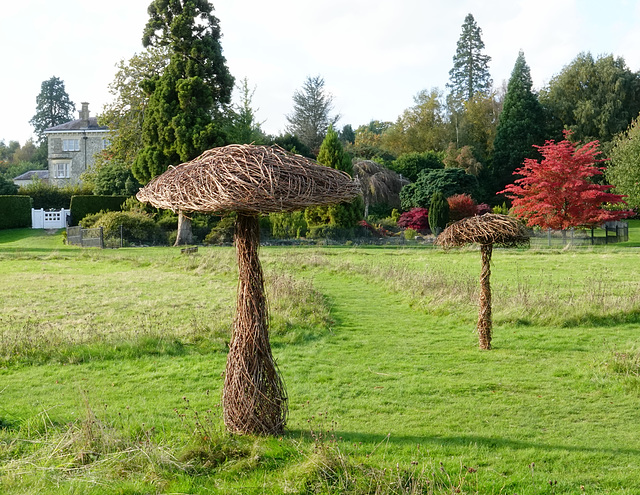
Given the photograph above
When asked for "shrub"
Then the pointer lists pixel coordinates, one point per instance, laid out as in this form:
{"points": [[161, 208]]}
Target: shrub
{"points": [[502, 209], [448, 181], [7, 187], [438, 213], [16, 212], [409, 165], [416, 219], [374, 232], [461, 206], [410, 234], [222, 233], [83, 205], [51, 197], [139, 228], [288, 225], [115, 178], [337, 233], [342, 215], [483, 208]]}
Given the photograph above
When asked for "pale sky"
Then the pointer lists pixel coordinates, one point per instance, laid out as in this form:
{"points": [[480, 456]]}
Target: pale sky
{"points": [[374, 55]]}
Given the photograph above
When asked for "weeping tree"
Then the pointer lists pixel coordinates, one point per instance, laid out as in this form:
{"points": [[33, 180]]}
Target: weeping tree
{"points": [[250, 180], [378, 183], [487, 230]]}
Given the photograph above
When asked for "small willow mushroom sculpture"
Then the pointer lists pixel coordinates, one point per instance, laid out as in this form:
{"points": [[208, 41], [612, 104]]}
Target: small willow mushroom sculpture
{"points": [[250, 180], [487, 230]]}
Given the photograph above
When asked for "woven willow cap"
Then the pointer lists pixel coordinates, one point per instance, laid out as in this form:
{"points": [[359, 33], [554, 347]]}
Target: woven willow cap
{"points": [[248, 179], [490, 228]]}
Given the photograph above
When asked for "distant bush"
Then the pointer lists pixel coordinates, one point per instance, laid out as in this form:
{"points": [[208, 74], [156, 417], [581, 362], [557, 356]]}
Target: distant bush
{"points": [[416, 219], [7, 187], [483, 208], [337, 233], [410, 234], [409, 165], [448, 181], [51, 197], [115, 178], [222, 233], [139, 228], [502, 209], [83, 205], [288, 225], [461, 206], [16, 212]]}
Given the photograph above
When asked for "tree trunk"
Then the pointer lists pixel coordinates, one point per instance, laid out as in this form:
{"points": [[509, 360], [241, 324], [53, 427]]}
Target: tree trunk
{"points": [[185, 234], [254, 398], [484, 316]]}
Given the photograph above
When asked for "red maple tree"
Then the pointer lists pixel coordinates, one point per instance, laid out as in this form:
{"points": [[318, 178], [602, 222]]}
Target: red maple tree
{"points": [[558, 193]]}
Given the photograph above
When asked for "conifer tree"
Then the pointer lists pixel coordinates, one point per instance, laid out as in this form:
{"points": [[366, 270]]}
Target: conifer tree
{"points": [[310, 118], [521, 126], [438, 213], [184, 113], [53, 107], [344, 215], [332, 153], [470, 72]]}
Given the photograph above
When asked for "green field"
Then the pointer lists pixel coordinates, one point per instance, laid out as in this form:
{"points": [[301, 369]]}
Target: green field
{"points": [[111, 370]]}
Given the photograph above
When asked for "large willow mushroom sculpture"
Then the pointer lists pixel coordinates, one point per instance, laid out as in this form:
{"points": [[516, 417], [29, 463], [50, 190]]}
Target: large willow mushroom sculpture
{"points": [[250, 180], [487, 230]]}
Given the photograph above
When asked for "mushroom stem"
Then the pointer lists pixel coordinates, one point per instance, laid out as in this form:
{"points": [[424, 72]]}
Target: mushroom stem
{"points": [[254, 398], [484, 315]]}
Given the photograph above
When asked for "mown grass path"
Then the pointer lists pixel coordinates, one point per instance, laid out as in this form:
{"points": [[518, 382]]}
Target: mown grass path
{"points": [[537, 408]]}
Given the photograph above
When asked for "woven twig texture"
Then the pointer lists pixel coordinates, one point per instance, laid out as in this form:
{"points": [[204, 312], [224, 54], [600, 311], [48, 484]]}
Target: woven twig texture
{"points": [[491, 228], [254, 397], [248, 179]]}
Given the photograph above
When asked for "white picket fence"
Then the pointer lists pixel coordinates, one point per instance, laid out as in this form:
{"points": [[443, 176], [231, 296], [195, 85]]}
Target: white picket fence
{"points": [[44, 219]]}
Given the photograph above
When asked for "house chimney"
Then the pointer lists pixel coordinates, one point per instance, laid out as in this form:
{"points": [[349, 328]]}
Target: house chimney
{"points": [[84, 114]]}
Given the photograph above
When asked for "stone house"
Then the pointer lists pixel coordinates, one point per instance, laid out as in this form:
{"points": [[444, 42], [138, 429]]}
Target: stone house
{"points": [[28, 177], [72, 147]]}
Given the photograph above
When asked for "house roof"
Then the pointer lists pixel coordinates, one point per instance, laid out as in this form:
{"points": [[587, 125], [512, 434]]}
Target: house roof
{"points": [[78, 125], [32, 174]]}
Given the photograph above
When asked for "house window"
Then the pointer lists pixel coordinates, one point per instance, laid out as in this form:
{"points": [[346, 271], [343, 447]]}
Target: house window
{"points": [[70, 145], [61, 170], [105, 143]]}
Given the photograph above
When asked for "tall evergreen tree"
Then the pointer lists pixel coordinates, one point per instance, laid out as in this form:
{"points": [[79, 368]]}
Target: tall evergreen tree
{"points": [[332, 153], [438, 213], [310, 118], [470, 72], [521, 126], [184, 114], [245, 128], [344, 215], [53, 107]]}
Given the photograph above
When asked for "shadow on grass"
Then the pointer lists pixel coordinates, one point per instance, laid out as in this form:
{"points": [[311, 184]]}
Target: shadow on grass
{"points": [[459, 441], [609, 320]]}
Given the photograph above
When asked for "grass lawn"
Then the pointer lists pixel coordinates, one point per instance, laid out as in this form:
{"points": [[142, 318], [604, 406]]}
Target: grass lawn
{"points": [[112, 362]]}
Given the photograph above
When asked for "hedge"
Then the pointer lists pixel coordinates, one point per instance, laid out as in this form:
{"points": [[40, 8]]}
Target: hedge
{"points": [[16, 212], [81, 206], [50, 196]]}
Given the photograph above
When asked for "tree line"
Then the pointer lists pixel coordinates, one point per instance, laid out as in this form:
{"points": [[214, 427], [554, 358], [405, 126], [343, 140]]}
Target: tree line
{"points": [[172, 101]]}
